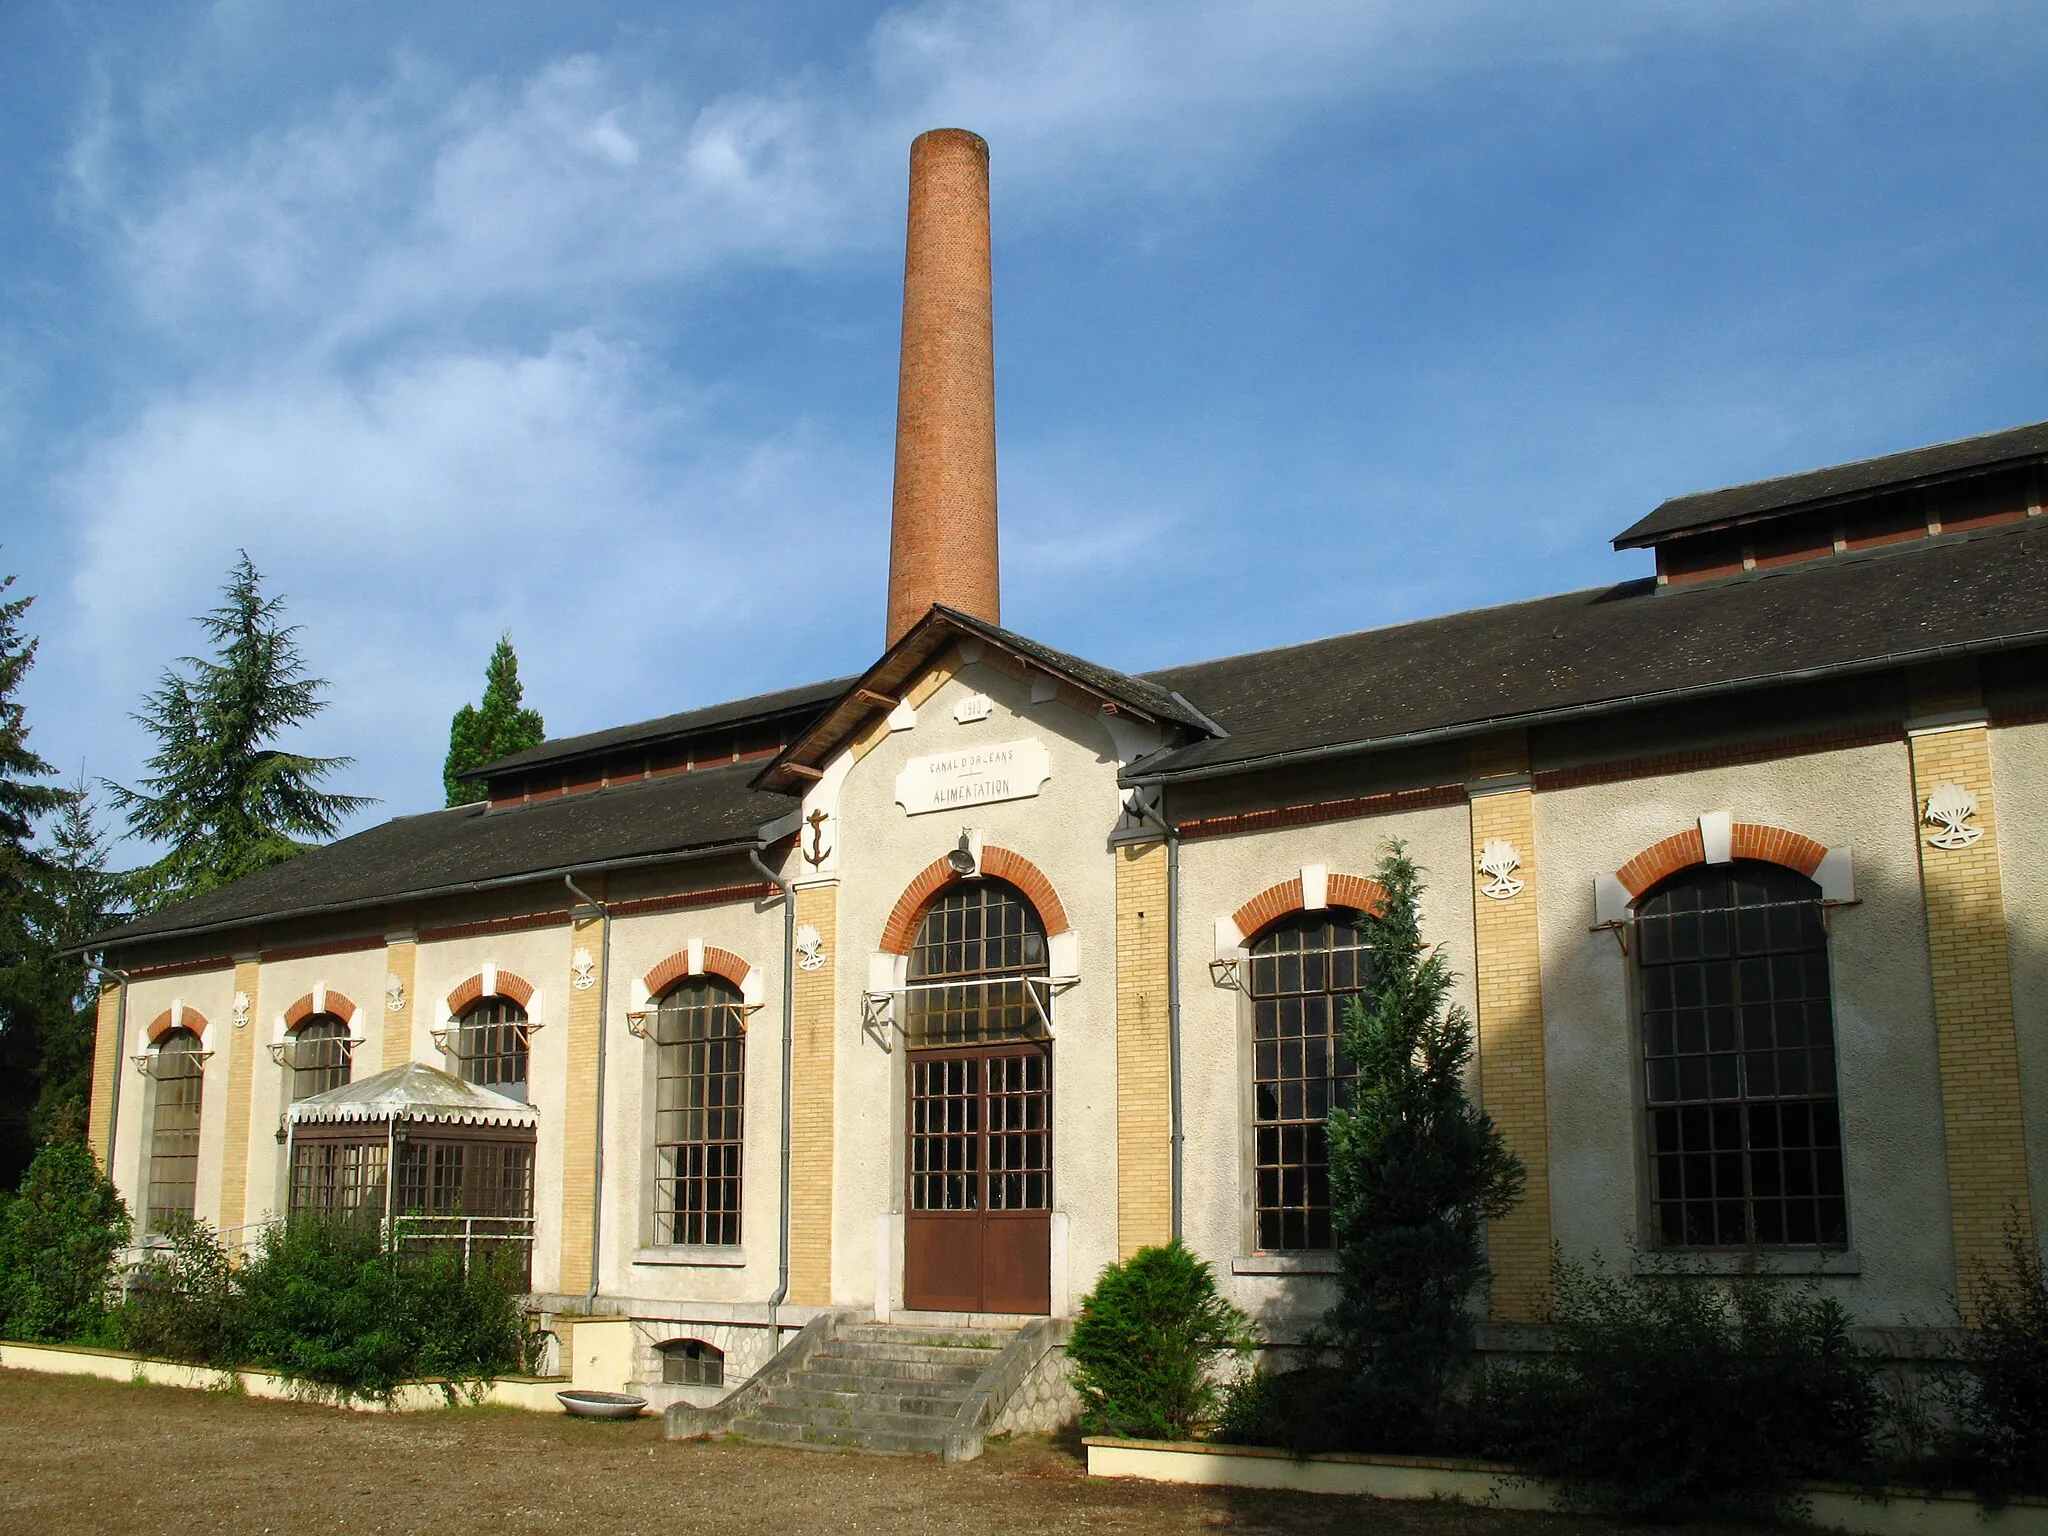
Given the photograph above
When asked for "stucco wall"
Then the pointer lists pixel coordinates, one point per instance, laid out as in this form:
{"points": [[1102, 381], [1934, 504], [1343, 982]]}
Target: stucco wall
{"points": [[212, 994], [1065, 831], [1887, 1069], [2019, 765], [1217, 876]]}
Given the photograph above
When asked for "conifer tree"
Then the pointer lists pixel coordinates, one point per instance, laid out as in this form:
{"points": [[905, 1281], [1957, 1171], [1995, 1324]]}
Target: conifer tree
{"points": [[497, 728], [224, 800], [1415, 1170], [74, 897]]}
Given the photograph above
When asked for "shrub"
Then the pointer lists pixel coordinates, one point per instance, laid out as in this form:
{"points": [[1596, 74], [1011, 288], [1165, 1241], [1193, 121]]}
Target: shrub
{"points": [[1416, 1170], [182, 1303], [2002, 1404], [1306, 1410], [323, 1305], [1672, 1395], [58, 1239], [1146, 1346]]}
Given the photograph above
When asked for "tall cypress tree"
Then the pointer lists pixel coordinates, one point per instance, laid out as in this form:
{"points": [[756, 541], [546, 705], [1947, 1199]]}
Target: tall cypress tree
{"points": [[1416, 1169], [74, 897], [22, 800], [224, 800], [497, 728]]}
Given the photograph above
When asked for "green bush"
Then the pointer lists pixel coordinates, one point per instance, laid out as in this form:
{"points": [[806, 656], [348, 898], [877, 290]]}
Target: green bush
{"points": [[182, 1302], [58, 1239], [1671, 1396], [1146, 1347], [1306, 1410], [2002, 1397]]}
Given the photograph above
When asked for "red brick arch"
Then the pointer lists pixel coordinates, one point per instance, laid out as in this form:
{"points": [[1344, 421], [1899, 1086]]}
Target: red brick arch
{"points": [[1751, 840], [303, 1009], [517, 988], [163, 1024], [1284, 899], [722, 963], [998, 864]]}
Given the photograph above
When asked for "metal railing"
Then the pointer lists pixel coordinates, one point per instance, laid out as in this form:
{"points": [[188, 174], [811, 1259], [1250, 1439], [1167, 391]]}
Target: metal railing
{"points": [[471, 1236]]}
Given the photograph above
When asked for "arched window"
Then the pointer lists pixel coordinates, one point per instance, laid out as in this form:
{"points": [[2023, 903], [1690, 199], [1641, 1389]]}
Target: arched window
{"points": [[692, 1363], [1304, 969], [977, 930], [700, 1082], [490, 1042], [317, 1056], [1738, 1039], [179, 1073]]}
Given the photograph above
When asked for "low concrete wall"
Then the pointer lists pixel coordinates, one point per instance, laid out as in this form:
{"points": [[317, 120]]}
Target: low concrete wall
{"points": [[537, 1394], [1898, 1513]]}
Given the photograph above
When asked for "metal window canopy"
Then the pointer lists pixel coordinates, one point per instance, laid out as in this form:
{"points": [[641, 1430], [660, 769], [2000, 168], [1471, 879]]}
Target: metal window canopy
{"points": [[527, 1028], [348, 1044], [144, 1058], [1826, 906], [878, 1004], [639, 1021]]}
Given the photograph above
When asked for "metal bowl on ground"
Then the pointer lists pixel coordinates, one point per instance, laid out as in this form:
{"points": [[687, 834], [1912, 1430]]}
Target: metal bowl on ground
{"points": [[602, 1405]]}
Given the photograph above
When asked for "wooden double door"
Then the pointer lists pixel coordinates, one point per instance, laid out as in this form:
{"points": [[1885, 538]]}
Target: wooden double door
{"points": [[977, 1225]]}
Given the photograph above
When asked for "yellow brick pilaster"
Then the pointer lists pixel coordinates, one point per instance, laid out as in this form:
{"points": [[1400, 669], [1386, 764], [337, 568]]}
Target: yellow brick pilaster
{"points": [[1982, 1115], [400, 956], [1508, 974], [579, 1108], [243, 1038], [106, 1057], [813, 1070], [1144, 1117]]}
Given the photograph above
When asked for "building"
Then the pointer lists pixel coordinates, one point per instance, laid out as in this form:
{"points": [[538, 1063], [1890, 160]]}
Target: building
{"points": [[936, 988]]}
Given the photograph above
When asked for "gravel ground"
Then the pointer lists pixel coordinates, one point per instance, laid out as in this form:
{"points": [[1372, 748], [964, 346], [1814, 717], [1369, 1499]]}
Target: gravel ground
{"points": [[84, 1455]]}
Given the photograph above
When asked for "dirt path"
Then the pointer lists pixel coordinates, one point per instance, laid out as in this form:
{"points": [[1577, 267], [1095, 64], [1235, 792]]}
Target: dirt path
{"points": [[83, 1455]]}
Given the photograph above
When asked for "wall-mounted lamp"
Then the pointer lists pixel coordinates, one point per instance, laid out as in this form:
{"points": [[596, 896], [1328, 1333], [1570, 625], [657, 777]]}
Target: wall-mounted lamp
{"points": [[962, 860]]}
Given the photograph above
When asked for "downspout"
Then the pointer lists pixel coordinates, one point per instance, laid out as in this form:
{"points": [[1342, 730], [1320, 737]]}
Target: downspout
{"points": [[604, 987], [788, 1054], [120, 1050], [1179, 1139]]}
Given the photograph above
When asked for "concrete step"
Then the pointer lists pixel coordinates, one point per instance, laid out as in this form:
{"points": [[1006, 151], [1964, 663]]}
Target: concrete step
{"points": [[890, 1349], [807, 1396], [934, 1334], [809, 1438], [826, 1421], [893, 1376]]}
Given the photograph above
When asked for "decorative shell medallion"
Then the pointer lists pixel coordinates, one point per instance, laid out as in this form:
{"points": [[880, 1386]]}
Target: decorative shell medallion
{"points": [[1498, 860]]}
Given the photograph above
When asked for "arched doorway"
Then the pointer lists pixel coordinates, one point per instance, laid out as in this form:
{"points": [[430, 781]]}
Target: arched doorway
{"points": [[978, 1210]]}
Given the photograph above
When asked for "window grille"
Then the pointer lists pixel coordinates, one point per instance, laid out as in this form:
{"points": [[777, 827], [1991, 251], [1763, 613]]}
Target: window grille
{"points": [[338, 1178], [1742, 1125], [463, 1178], [978, 929], [692, 1363], [700, 1092], [491, 1043], [1303, 972], [319, 1056], [174, 1128]]}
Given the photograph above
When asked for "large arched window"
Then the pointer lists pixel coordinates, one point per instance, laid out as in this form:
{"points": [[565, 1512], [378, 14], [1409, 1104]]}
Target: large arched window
{"points": [[317, 1056], [490, 1042], [977, 930], [1304, 969], [1743, 1133], [179, 1074], [700, 1082]]}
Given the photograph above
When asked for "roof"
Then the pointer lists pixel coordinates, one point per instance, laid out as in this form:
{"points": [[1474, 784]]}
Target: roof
{"points": [[470, 846], [877, 689], [414, 1092], [1703, 510], [808, 699], [1608, 645]]}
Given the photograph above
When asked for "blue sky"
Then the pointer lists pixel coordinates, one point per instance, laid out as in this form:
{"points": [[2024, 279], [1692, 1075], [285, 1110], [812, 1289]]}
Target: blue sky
{"points": [[581, 320]]}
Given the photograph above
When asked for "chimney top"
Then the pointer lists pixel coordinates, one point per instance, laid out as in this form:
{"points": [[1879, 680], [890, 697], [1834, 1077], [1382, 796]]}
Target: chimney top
{"points": [[942, 540]]}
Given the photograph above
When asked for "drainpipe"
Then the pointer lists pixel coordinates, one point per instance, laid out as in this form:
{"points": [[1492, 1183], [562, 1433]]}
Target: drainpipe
{"points": [[1158, 819], [788, 1053], [120, 1051], [604, 986]]}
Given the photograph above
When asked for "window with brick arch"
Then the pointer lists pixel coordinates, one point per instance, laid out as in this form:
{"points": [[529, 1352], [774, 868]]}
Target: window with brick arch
{"points": [[700, 1089], [1741, 1124], [318, 1056], [1303, 971], [179, 1084], [977, 939], [490, 1042]]}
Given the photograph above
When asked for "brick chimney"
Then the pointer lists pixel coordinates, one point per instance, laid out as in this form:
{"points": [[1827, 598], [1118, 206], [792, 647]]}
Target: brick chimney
{"points": [[942, 538]]}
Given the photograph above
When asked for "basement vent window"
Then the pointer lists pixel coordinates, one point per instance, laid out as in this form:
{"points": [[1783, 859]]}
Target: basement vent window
{"points": [[692, 1363]]}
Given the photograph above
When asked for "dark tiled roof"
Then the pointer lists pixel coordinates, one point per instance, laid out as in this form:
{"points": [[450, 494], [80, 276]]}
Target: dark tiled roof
{"points": [[807, 700], [1767, 498], [1140, 693], [1971, 592], [447, 851]]}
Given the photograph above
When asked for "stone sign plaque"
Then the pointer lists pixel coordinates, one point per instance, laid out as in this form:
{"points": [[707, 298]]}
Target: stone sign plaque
{"points": [[1006, 770]]}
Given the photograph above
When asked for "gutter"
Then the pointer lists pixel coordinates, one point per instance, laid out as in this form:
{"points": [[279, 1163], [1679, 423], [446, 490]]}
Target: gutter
{"points": [[1585, 711], [498, 882], [120, 1054], [604, 986], [772, 832]]}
